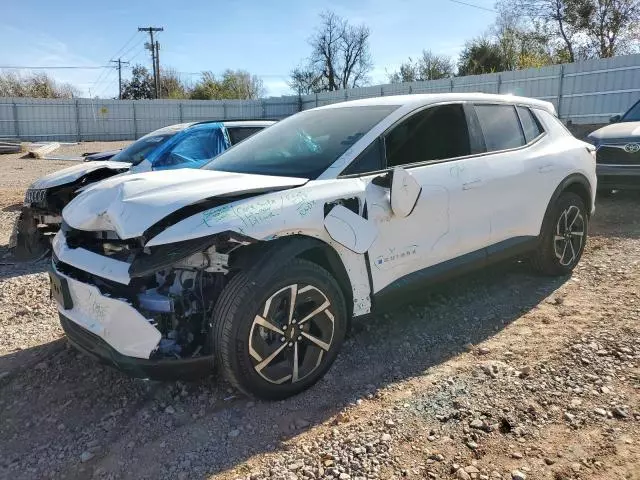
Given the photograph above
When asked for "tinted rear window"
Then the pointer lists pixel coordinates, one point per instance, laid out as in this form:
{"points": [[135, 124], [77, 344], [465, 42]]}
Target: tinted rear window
{"points": [[500, 126], [530, 124], [237, 134]]}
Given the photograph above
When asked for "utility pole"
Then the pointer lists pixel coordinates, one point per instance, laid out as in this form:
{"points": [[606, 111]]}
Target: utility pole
{"points": [[119, 67], [152, 47], [159, 80]]}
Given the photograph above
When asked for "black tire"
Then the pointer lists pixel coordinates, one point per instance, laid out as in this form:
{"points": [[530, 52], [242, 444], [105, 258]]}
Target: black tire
{"points": [[249, 295], [31, 244], [548, 258]]}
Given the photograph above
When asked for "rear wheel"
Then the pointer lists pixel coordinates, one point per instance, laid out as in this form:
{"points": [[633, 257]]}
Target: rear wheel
{"points": [[564, 235], [278, 332]]}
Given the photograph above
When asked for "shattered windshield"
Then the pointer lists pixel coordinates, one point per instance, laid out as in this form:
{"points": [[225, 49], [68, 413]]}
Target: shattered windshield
{"points": [[303, 145], [138, 150]]}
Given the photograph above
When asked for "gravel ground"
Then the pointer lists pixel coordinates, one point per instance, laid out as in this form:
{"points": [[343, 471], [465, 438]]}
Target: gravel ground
{"points": [[503, 374]]}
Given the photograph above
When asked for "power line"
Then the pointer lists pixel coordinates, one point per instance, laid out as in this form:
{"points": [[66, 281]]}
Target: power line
{"points": [[109, 68], [474, 6], [57, 67]]}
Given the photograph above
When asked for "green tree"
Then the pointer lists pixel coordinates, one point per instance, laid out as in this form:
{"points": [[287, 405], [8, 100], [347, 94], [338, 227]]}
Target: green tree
{"points": [[233, 84], [428, 67], [171, 85], [482, 55], [139, 86]]}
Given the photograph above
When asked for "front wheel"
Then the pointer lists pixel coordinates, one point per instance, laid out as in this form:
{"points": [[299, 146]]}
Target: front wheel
{"points": [[277, 332], [564, 236]]}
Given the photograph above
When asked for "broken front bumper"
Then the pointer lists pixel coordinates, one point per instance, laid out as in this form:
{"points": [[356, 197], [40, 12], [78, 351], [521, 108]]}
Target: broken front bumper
{"points": [[111, 329], [96, 347]]}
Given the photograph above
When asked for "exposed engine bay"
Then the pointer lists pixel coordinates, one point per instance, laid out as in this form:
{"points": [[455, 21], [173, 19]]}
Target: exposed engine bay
{"points": [[179, 303], [177, 298]]}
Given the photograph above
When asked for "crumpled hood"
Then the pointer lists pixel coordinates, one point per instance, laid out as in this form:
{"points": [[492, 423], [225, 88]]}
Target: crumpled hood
{"points": [[71, 174], [130, 204], [623, 131]]}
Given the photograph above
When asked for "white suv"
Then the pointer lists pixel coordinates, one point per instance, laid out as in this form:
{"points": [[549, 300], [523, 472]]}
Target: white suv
{"points": [[257, 262]]}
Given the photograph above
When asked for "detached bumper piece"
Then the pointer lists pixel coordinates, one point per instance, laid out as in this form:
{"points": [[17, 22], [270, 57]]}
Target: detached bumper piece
{"points": [[161, 369]]}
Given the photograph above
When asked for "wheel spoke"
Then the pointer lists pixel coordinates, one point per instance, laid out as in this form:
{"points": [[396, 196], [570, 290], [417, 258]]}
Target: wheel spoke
{"points": [[557, 238], [578, 234], [270, 358], [268, 325], [574, 218], [292, 301], [322, 307], [324, 346], [294, 377], [573, 252], [564, 250]]}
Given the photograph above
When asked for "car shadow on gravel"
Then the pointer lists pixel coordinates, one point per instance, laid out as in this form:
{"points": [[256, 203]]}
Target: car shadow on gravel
{"points": [[617, 215], [78, 409], [11, 267]]}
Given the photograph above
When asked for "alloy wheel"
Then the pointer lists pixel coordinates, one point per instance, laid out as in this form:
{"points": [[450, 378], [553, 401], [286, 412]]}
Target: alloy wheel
{"points": [[569, 236], [292, 334]]}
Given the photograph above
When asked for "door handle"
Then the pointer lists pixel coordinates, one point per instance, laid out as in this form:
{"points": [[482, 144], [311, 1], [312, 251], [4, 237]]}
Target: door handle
{"points": [[473, 184], [546, 168]]}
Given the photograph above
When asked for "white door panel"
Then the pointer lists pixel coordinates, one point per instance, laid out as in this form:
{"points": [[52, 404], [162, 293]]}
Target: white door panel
{"points": [[446, 222]]}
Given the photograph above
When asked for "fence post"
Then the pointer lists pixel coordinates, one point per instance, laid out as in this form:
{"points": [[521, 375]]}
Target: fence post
{"points": [[135, 120], [410, 89], [180, 110], [382, 91], [499, 82], [78, 135], [316, 99], [299, 102], [263, 108], [451, 84], [560, 82], [224, 110], [16, 125]]}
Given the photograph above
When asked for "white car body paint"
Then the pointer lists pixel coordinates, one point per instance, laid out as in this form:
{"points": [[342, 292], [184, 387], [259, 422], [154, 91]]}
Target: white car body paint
{"points": [[461, 208], [71, 174], [350, 229]]}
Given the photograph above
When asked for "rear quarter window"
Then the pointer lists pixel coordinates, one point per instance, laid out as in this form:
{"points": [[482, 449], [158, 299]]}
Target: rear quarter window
{"points": [[237, 134], [500, 127], [530, 125]]}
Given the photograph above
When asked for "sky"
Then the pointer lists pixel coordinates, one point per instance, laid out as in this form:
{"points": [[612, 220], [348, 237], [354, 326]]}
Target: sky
{"points": [[267, 38]]}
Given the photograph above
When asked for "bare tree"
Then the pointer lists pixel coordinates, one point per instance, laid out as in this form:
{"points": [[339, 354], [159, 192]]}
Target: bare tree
{"points": [[340, 57], [611, 25]]}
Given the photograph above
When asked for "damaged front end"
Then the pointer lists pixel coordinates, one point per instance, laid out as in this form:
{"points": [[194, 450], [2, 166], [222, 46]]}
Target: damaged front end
{"points": [[147, 311], [41, 215]]}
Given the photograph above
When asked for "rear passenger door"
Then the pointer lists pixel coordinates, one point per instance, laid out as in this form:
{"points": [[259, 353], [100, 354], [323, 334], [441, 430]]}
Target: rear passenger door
{"points": [[511, 137]]}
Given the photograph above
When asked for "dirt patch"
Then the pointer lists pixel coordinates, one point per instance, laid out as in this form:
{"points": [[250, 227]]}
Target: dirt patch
{"points": [[501, 374]]}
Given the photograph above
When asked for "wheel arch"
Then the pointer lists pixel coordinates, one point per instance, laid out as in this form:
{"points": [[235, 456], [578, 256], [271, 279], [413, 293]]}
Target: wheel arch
{"points": [[284, 249], [576, 183]]}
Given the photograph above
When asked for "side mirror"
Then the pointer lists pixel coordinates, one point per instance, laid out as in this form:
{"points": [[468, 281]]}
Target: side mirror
{"points": [[615, 119], [405, 191]]}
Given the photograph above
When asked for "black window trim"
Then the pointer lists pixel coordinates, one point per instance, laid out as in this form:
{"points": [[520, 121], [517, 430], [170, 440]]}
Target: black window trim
{"points": [[535, 119], [383, 135], [467, 105]]}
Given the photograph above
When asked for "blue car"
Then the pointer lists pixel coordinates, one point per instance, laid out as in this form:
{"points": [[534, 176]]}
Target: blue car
{"points": [[186, 145]]}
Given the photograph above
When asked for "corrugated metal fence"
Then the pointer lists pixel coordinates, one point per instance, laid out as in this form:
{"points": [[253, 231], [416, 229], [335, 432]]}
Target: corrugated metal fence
{"points": [[585, 93]]}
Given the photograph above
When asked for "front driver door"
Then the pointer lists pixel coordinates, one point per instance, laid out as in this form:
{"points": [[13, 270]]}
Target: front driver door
{"points": [[426, 145]]}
